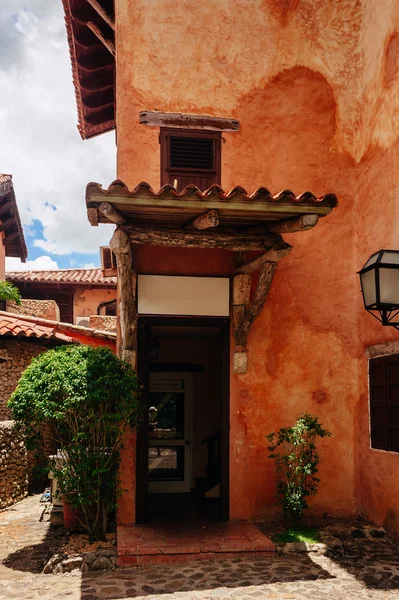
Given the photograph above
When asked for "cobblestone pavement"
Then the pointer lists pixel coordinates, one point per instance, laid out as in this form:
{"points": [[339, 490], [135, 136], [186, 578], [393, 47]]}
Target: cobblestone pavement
{"points": [[367, 570]]}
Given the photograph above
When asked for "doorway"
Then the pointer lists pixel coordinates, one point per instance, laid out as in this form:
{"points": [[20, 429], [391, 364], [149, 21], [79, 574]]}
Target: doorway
{"points": [[182, 468]]}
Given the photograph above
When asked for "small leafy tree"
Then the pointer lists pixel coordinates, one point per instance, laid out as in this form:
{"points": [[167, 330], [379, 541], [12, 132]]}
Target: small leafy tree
{"points": [[85, 398], [8, 291], [294, 453]]}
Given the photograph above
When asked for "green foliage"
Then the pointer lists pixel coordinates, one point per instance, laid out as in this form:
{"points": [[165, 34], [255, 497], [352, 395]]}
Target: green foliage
{"points": [[8, 291], [84, 398], [294, 453], [310, 535]]}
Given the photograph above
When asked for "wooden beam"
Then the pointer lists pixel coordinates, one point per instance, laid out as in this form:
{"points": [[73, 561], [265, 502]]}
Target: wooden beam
{"points": [[276, 253], [254, 309], [6, 224], [111, 213], [205, 221], [290, 225], [109, 44], [206, 239], [126, 298], [188, 121], [102, 12]]}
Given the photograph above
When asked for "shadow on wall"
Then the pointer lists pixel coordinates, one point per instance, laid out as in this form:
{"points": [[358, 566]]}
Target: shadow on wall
{"points": [[287, 130]]}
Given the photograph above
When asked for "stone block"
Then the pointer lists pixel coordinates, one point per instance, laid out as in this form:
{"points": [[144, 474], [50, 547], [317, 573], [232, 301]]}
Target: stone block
{"points": [[240, 362]]}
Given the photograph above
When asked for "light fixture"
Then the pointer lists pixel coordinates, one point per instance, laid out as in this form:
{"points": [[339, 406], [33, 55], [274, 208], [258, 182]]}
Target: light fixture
{"points": [[379, 279]]}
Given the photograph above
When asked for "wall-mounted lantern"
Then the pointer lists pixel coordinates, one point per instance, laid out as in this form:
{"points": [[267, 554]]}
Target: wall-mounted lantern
{"points": [[379, 279]]}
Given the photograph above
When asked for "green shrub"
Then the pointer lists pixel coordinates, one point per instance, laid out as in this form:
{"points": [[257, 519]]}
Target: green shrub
{"points": [[294, 453], [8, 291], [85, 398]]}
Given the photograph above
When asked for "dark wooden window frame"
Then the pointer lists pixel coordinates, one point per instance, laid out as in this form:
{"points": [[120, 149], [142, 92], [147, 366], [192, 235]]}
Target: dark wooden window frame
{"points": [[168, 173], [143, 359], [383, 406]]}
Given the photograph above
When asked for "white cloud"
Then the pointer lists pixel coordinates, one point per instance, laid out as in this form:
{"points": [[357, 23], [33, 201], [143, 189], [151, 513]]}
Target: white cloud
{"points": [[40, 144], [41, 263]]}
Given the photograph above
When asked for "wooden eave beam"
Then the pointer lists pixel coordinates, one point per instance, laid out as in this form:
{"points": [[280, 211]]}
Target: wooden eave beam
{"points": [[109, 44], [205, 221], [289, 225], [6, 224], [11, 237], [6, 207], [194, 239], [100, 10], [106, 209]]}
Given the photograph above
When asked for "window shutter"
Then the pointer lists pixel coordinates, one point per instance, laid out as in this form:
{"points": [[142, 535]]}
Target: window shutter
{"points": [[190, 158], [378, 403], [392, 373]]}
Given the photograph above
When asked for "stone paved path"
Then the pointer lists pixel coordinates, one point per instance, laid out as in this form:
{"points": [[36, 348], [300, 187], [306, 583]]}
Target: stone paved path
{"points": [[368, 570]]}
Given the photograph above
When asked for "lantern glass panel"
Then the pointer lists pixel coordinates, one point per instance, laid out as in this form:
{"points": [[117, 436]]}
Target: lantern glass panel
{"points": [[372, 260], [389, 286], [368, 285], [390, 258]]}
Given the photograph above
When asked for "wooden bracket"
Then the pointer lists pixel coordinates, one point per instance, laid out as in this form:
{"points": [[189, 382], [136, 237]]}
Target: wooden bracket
{"points": [[246, 311], [276, 253], [126, 298]]}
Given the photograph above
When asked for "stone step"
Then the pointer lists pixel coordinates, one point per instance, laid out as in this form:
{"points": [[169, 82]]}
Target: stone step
{"points": [[170, 543]]}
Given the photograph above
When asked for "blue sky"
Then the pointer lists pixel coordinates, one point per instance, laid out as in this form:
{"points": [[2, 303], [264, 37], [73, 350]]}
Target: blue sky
{"points": [[40, 144]]}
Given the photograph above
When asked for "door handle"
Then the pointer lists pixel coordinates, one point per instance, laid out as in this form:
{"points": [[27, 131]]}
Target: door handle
{"points": [[188, 442]]}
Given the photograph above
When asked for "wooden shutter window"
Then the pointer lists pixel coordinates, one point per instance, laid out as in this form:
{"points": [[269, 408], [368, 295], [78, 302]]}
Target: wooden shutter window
{"points": [[384, 403], [190, 157]]}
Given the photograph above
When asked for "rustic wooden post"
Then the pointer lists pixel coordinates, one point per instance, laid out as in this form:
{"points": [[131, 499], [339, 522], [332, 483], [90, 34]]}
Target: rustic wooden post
{"points": [[126, 298], [241, 295], [127, 350]]}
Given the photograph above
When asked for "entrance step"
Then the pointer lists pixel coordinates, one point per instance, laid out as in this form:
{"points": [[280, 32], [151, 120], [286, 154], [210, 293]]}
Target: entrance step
{"points": [[169, 543]]}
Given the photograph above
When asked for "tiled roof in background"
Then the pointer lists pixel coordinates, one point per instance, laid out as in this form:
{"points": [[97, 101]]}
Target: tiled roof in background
{"points": [[63, 276], [26, 326], [19, 327]]}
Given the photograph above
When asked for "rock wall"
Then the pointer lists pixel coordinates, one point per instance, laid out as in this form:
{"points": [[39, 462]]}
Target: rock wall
{"points": [[103, 323], [18, 356], [45, 309], [13, 465]]}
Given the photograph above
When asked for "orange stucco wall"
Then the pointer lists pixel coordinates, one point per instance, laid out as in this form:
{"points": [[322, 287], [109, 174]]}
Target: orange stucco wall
{"points": [[86, 300], [315, 87]]}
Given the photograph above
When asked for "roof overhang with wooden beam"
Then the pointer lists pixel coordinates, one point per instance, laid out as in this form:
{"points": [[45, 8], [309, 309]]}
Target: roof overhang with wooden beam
{"points": [[90, 26], [205, 219], [235, 221], [10, 222]]}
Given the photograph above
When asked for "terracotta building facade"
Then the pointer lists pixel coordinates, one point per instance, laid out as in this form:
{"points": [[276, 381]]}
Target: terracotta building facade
{"points": [[254, 98]]}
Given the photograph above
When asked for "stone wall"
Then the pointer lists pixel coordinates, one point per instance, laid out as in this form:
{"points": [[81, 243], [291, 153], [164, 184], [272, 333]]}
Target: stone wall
{"points": [[18, 356], [103, 323], [13, 465], [45, 309]]}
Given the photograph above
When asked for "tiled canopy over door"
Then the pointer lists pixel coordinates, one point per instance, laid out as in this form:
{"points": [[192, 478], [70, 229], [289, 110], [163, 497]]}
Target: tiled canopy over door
{"points": [[190, 157]]}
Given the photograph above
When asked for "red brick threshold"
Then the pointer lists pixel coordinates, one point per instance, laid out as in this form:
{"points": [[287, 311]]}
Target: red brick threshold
{"points": [[169, 543]]}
